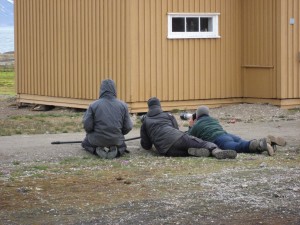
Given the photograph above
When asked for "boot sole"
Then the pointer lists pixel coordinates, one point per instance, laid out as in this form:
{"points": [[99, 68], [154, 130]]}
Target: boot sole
{"points": [[226, 154], [270, 150], [272, 140], [112, 153], [199, 152], [101, 153]]}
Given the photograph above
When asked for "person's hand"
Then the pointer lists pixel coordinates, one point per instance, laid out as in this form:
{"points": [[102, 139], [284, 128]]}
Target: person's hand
{"points": [[191, 122]]}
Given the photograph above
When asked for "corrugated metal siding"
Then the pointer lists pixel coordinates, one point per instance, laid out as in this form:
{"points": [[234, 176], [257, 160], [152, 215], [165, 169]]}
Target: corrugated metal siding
{"points": [[290, 49], [185, 69], [270, 49], [65, 48], [259, 48]]}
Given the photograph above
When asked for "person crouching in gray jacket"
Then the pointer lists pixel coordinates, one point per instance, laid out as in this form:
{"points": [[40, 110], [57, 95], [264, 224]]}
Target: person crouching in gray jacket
{"points": [[161, 130], [106, 121]]}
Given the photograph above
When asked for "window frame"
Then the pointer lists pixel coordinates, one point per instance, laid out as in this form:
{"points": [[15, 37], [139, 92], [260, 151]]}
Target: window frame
{"points": [[199, 34]]}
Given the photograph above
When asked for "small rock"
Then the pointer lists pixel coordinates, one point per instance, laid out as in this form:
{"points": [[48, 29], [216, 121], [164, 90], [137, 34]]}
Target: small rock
{"points": [[244, 185], [263, 165], [23, 190], [296, 189], [119, 178]]}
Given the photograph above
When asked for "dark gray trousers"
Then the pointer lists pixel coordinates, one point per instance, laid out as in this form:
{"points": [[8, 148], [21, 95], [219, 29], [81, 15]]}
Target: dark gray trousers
{"points": [[92, 148], [181, 146]]}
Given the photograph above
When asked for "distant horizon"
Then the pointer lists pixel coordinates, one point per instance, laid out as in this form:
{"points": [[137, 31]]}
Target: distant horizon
{"points": [[7, 26]]}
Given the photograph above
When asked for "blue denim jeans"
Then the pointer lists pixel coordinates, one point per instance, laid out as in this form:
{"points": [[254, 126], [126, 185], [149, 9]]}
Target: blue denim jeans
{"points": [[232, 142]]}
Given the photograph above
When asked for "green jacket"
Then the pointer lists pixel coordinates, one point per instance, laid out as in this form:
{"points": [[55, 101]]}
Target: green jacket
{"points": [[207, 128]]}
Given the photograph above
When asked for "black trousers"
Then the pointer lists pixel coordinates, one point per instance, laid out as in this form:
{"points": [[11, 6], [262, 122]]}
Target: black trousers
{"points": [[181, 146], [92, 148]]}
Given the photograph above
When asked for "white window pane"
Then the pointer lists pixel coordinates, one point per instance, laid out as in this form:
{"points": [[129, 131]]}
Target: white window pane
{"points": [[193, 25]]}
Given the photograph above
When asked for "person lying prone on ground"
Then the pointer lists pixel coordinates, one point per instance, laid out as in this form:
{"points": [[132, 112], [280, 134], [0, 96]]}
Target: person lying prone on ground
{"points": [[161, 130], [208, 128]]}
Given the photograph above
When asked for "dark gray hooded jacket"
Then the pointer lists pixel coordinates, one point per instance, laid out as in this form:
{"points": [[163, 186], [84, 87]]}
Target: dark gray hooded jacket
{"points": [[159, 129], [107, 119]]}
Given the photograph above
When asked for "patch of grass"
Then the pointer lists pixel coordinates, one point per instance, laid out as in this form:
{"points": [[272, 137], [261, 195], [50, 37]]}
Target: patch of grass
{"points": [[7, 81], [97, 182], [294, 111], [38, 175], [16, 163], [41, 123], [40, 167], [137, 124], [175, 110]]}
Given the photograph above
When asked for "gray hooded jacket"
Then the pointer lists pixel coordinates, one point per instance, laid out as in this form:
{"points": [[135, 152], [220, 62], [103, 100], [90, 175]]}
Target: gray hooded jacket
{"points": [[107, 119], [159, 129]]}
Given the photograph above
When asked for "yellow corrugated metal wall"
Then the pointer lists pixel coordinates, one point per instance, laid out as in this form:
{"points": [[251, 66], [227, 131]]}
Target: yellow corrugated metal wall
{"points": [[185, 69], [259, 45], [270, 50], [289, 42], [64, 48]]}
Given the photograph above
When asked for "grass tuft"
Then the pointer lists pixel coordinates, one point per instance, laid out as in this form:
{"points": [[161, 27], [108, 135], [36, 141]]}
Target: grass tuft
{"points": [[7, 83]]}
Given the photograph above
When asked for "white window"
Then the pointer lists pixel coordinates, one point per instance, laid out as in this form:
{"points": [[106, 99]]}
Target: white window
{"points": [[193, 25]]}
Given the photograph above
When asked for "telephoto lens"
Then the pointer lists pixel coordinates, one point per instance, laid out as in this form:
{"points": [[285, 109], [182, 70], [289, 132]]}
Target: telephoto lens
{"points": [[186, 116]]}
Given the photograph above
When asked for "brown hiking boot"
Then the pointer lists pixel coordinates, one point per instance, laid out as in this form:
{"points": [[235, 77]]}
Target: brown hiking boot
{"points": [[270, 150], [272, 140], [261, 145], [224, 154], [253, 146]]}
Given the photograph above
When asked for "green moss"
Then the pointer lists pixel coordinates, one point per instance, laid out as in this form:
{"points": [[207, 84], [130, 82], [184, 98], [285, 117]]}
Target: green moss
{"points": [[7, 81]]}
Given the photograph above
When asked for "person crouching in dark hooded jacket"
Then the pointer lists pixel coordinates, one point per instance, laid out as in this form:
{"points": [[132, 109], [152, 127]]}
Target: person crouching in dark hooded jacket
{"points": [[161, 130], [106, 121]]}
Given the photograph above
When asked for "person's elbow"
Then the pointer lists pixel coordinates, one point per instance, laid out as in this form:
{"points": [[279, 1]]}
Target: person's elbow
{"points": [[126, 130], [146, 146], [88, 127]]}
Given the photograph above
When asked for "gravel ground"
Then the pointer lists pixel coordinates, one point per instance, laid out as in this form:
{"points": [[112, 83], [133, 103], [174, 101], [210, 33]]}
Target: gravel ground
{"points": [[252, 189]]}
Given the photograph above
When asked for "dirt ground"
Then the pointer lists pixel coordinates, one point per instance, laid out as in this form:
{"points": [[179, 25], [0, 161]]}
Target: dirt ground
{"points": [[144, 188]]}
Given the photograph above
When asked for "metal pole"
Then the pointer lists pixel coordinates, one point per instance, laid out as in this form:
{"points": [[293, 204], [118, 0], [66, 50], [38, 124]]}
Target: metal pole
{"points": [[75, 142]]}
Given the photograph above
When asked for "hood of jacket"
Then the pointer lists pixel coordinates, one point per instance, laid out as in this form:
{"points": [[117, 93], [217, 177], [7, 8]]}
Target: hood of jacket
{"points": [[108, 88], [154, 110]]}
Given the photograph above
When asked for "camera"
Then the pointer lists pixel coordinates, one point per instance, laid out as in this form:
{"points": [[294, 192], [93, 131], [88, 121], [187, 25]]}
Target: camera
{"points": [[186, 116]]}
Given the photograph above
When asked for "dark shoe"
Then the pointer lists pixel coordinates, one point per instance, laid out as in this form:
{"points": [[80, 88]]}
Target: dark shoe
{"points": [[90, 149], [112, 153], [262, 145], [199, 152], [253, 146], [102, 152], [258, 146], [224, 154]]}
